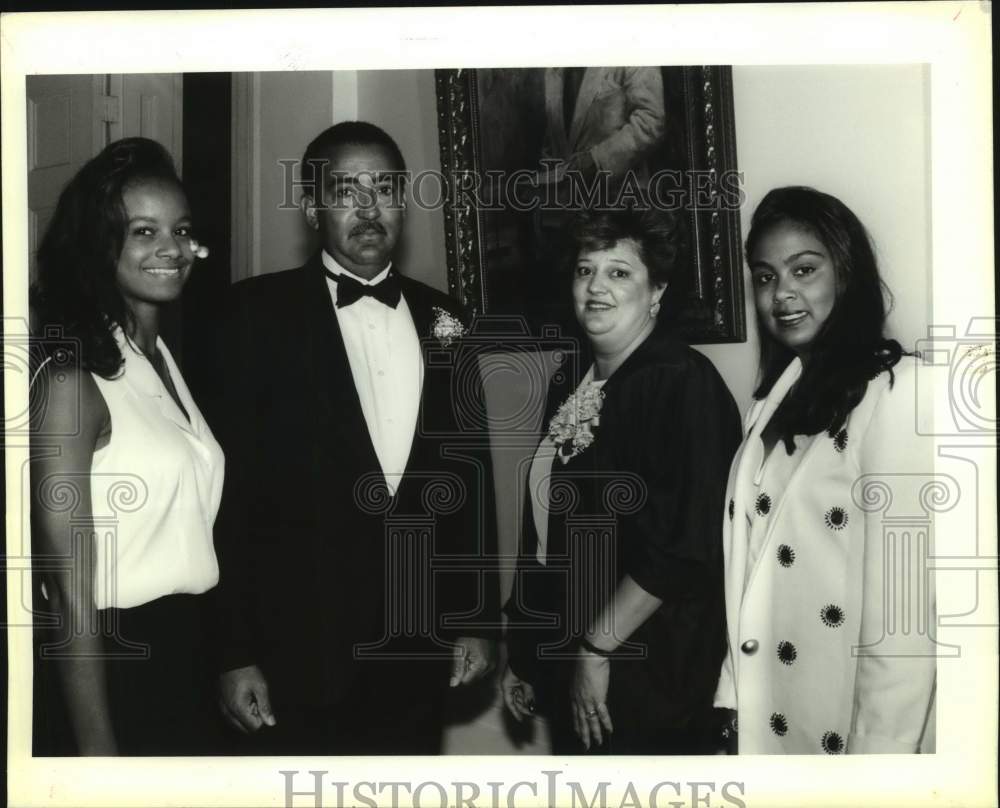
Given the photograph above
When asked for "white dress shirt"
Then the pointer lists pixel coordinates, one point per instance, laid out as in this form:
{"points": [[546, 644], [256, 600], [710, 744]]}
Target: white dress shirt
{"points": [[388, 369]]}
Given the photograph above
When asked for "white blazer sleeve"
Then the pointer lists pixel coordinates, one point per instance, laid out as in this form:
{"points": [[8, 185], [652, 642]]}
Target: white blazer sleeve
{"points": [[896, 665]]}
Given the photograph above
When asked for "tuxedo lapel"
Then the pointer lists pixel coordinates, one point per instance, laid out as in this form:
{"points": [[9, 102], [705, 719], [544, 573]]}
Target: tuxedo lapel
{"points": [[339, 403], [430, 389], [420, 310]]}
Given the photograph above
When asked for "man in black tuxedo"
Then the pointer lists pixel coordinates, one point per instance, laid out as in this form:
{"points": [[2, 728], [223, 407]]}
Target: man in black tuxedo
{"points": [[357, 523]]}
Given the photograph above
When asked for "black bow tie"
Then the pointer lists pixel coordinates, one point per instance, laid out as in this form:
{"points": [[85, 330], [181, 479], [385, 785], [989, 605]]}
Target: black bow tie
{"points": [[350, 291]]}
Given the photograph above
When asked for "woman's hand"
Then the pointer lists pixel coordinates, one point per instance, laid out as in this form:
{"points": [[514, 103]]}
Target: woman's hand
{"points": [[590, 689], [725, 724], [630, 607], [518, 695]]}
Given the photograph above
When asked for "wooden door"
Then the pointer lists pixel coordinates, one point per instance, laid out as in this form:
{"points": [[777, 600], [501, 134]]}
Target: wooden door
{"points": [[65, 129], [71, 118]]}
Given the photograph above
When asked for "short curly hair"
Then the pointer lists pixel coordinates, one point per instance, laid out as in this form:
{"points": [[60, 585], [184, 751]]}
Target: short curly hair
{"points": [[657, 234], [660, 238]]}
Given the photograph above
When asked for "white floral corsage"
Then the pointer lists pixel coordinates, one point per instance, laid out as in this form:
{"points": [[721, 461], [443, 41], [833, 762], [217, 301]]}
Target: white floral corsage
{"points": [[571, 428], [199, 250], [446, 327]]}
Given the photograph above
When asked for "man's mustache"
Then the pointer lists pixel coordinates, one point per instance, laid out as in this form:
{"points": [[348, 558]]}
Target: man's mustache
{"points": [[367, 227]]}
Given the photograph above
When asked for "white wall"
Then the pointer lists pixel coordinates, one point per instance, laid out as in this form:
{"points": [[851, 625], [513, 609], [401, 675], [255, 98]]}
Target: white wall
{"points": [[861, 134], [403, 102], [293, 109]]}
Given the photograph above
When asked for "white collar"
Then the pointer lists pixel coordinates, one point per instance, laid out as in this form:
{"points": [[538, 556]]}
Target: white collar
{"points": [[331, 264], [763, 409]]}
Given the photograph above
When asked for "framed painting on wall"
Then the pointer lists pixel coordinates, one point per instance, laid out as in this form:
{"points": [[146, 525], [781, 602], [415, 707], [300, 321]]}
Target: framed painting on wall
{"points": [[522, 149]]}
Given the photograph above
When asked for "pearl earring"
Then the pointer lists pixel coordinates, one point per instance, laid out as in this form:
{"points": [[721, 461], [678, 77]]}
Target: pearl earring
{"points": [[654, 309]]}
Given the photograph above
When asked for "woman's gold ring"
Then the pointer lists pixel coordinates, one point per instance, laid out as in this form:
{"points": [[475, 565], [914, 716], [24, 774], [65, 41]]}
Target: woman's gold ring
{"points": [[592, 712]]}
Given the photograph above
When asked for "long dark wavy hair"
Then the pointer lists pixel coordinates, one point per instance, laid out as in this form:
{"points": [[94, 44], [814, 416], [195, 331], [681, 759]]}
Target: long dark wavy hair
{"points": [[850, 348], [76, 288]]}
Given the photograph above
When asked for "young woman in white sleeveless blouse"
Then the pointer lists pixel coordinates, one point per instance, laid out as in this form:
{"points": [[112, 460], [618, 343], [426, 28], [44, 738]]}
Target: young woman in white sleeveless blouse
{"points": [[815, 663], [126, 475]]}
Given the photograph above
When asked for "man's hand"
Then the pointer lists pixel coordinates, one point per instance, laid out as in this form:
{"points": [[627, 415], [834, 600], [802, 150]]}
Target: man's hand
{"points": [[518, 695], [243, 699], [473, 659]]}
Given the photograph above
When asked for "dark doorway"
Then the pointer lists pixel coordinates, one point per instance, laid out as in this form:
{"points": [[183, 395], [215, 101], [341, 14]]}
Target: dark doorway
{"points": [[207, 157]]}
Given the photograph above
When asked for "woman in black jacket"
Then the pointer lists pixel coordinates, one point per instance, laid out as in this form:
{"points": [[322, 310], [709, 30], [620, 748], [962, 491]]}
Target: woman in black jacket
{"points": [[616, 615]]}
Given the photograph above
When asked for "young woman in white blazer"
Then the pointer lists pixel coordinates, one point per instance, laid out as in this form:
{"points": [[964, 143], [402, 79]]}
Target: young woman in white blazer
{"points": [[827, 604]]}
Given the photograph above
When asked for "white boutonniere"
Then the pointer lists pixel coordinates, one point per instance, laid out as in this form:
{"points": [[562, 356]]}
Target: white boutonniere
{"points": [[446, 328], [571, 428]]}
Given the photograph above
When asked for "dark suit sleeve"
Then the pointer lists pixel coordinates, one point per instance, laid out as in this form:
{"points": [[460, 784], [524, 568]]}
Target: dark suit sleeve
{"points": [[478, 596], [520, 639], [532, 599], [686, 427], [468, 588], [232, 535]]}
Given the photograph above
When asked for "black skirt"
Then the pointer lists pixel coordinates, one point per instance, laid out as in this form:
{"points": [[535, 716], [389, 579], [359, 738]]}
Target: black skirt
{"points": [[160, 681]]}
